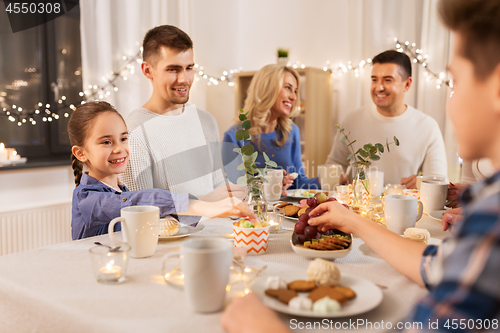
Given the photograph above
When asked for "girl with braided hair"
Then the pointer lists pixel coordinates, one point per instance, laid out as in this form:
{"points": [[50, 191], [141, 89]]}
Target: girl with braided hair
{"points": [[100, 151]]}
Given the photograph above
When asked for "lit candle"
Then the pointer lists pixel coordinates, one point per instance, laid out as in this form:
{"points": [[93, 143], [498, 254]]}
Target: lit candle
{"points": [[14, 156], [110, 272], [273, 225], [3, 152]]}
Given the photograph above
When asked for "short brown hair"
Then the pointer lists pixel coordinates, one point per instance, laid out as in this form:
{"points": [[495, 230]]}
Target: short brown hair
{"points": [[164, 35], [478, 22], [394, 57]]}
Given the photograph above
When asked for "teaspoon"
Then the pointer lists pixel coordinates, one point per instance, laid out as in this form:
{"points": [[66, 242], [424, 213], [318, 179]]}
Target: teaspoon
{"points": [[111, 249]]}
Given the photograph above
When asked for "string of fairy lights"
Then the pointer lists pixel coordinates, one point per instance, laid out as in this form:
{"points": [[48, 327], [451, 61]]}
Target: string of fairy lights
{"points": [[46, 112]]}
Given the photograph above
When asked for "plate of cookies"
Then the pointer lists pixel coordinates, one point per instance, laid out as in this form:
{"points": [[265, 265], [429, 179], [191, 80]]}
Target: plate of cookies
{"points": [[333, 245], [292, 211], [321, 292], [171, 228]]}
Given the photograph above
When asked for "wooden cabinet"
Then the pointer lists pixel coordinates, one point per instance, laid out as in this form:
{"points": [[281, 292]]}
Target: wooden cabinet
{"points": [[316, 120]]}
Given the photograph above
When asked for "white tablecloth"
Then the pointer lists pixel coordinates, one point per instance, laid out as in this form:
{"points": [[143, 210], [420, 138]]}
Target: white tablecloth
{"points": [[52, 289]]}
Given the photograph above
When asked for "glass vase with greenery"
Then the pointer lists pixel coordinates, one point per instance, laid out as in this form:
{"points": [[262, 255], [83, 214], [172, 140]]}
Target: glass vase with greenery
{"points": [[254, 177], [360, 160]]}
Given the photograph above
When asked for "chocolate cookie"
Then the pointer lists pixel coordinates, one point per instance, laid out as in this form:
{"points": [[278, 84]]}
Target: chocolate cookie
{"points": [[302, 285]]}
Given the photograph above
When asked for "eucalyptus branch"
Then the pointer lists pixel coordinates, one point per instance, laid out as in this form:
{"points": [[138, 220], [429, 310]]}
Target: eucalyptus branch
{"points": [[249, 155], [367, 152]]}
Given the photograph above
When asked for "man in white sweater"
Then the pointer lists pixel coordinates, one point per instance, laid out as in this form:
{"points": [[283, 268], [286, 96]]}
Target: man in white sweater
{"points": [[421, 143], [174, 146]]}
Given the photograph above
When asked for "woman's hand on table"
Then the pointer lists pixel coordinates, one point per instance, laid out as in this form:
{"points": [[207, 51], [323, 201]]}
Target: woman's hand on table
{"points": [[344, 179], [287, 182], [451, 217], [249, 314], [332, 215]]}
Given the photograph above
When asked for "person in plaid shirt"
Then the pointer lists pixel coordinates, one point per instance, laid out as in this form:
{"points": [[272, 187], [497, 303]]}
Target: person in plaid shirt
{"points": [[462, 274]]}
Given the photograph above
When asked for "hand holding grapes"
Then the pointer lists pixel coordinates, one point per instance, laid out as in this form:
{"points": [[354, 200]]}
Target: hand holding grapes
{"points": [[307, 232], [331, 215]]}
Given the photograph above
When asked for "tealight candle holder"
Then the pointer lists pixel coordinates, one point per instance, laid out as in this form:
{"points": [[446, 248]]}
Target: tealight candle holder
{"points": [[109, 267], [275, 220]]}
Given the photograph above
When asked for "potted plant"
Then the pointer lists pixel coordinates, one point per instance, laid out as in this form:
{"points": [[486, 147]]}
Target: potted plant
{"points": [[282, 56], [254, 177], [360, 160]]}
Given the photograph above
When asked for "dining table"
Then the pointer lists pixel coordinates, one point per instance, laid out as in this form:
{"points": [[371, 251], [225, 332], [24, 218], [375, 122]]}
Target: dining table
{"points": [[53, 289]]}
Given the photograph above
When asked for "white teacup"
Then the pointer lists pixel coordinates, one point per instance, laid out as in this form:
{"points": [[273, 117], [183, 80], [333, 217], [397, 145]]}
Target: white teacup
{"points": [[401, 212], [421, 178], [329, 176], [205, 263], [433, 195], [140, 229], [274, 185], [376, 181]]}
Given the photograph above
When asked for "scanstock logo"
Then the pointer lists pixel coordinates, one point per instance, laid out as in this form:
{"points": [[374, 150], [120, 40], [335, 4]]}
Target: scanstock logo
{"points": [[31, 13]]}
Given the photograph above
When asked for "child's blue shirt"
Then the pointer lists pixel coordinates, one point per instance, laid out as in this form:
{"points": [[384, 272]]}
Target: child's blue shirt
{"points": [[95, 204]]}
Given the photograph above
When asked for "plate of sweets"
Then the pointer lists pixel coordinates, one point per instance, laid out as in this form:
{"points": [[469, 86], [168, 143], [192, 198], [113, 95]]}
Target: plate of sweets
{"points": [[320, 292], [294, 211], [305, 194], [171, 228], [308, 242]]}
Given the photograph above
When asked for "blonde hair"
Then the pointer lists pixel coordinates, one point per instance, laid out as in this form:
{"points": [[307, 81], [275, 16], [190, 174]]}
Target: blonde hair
{"points": [[263, 92]]}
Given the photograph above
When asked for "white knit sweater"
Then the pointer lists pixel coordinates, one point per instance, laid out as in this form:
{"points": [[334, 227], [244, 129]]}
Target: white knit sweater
{"points": [[177, 153], [421, 143]]}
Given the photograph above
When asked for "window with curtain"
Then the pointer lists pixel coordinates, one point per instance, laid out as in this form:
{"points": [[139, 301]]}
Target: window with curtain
{"points": [[41, 70]]}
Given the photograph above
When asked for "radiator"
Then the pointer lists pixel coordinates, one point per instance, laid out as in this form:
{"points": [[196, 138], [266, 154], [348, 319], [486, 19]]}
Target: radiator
{"points": [[26, 229]]}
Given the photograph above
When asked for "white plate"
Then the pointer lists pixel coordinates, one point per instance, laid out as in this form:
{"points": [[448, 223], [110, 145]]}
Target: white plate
{"points": [[437, 214], [290, 218], [313, 254], [293, 194], [368, 295], [185, 230]]}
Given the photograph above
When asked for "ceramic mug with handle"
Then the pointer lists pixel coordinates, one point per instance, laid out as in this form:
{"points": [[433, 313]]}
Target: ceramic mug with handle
{"points": [[140, 229], [401, 212], [205, 264]]}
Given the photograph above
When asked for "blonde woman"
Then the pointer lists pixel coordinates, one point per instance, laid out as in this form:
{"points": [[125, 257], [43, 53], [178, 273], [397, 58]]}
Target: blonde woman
{"points": [[271, 102]]}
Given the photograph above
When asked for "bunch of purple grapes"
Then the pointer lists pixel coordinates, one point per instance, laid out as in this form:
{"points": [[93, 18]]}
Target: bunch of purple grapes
{"points": [[307, 232]]}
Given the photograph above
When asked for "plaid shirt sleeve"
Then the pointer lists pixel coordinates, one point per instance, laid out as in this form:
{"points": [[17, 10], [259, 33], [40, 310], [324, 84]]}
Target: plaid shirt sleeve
{"points": [[462, 275]]}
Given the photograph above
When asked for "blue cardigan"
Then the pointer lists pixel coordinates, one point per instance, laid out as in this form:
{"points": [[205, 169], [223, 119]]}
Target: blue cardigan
{"points": [[287, 157]]}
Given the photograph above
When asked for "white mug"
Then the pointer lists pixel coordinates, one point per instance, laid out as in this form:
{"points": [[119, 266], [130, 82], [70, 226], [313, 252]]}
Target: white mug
{"points": [[329, 176], [401, 212], [433, 195], [205, 263], [421, 178], [376, 180], [274, 185], [140, 229]]}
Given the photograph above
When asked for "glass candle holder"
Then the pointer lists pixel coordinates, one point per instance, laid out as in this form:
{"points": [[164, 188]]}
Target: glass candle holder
{"points": [[275, 220], [109, 267], [363, 211]]}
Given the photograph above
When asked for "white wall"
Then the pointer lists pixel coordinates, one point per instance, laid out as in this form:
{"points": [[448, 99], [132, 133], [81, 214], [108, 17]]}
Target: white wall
{"points": [[29, 188]]}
